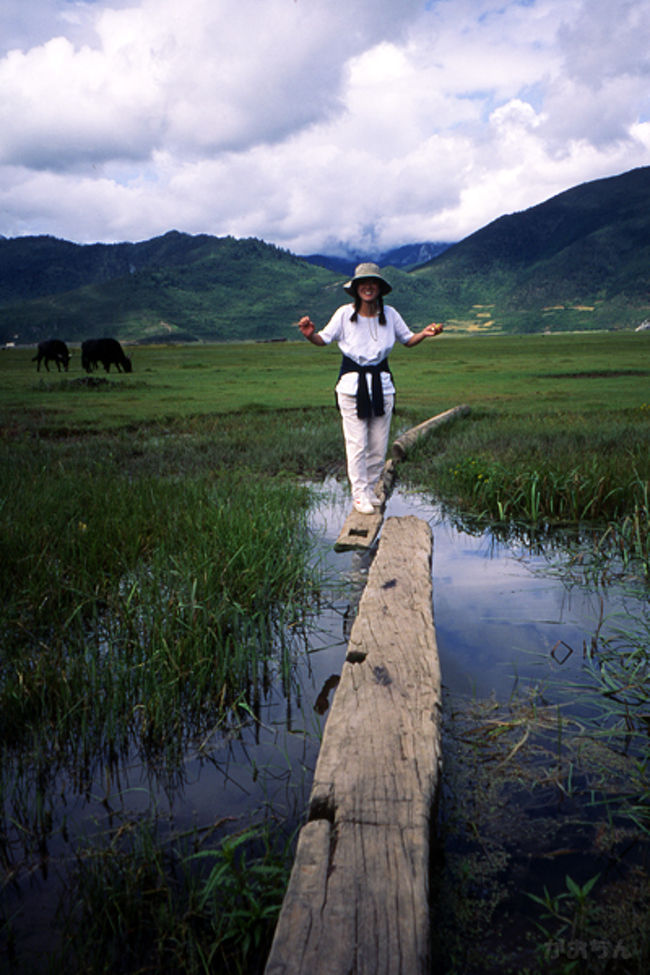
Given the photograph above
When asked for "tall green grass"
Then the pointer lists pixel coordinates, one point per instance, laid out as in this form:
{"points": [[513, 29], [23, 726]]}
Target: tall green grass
{"points": [[154, 556], [129, 603], [148, 905], [546, 470], [147, 595]]}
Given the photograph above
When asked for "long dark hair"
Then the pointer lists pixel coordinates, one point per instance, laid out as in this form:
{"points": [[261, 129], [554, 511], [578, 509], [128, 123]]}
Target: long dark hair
{"points": [[357, 306]]}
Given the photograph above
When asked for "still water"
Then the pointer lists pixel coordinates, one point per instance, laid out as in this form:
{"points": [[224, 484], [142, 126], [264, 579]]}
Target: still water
{"points": [[533, 779], [505, 621], [504, 614]]}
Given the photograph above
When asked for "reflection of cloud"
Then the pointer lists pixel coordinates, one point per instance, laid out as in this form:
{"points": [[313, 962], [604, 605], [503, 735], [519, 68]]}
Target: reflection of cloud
{"points": [[498, 611], [311, 122]]}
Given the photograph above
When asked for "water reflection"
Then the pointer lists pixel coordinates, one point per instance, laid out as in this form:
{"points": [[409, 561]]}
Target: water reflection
{"points": [[506, 623], [544, 784], [322, 702], [502, 615]]}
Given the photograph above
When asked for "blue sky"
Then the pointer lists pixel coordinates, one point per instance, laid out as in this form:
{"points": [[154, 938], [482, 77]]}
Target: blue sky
{"points": [[313, 124]]}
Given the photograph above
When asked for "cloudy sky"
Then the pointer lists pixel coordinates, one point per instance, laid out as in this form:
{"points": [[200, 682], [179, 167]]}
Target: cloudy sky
{"points": [[312, 124]]}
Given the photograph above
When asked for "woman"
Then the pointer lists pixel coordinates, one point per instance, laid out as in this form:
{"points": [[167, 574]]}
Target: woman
{"points": [[365, 332]]}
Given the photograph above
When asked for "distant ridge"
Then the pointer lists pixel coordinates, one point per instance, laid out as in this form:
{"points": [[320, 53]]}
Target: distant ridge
{"points": [[406, 257], [175, 287], [581, 260], [547, 229], [341, 265], [33, 267]]}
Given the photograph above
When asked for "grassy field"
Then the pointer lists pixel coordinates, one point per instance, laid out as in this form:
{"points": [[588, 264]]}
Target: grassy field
{"points": [[559, 429], [154, 547], [525, 374], [537, 375]]}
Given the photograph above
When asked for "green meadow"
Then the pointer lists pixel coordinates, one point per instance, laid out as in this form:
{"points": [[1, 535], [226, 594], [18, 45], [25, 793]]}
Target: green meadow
{"points": [[155, 552], [558, 431], [537, 375]]}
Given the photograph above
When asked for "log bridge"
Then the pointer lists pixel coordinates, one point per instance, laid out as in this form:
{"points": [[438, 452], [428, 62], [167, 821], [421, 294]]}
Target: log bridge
{"points": [[360, 531], [357, 902]]}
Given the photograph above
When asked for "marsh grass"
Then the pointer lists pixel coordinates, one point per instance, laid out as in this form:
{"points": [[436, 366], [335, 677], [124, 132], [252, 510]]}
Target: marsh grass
{"points": [[176, 575], [617, 692], [545, 863], [547, 470], [546, 804], [154, 562], [147, 602], [146, 905]]}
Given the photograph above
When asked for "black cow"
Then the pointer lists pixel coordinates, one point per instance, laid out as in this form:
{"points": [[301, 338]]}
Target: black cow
{"points": [[107, 351], [53, 350], [88, 359]]}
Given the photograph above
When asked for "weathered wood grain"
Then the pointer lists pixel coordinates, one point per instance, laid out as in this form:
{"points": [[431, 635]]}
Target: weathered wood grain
{"points": [[401, 446], [359, 531], [357, 902]]}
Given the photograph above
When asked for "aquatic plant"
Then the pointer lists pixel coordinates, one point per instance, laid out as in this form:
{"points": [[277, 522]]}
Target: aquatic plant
{"points": [[140, 903], [553, 470], [141, 615], [544, 861]]}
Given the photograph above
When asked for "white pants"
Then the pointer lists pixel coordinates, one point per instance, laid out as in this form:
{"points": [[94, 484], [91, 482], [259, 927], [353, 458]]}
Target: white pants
{"points": [[365, 444]]}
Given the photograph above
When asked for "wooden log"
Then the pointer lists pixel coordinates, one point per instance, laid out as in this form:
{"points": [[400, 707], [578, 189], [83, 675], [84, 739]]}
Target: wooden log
{"points": [[401, 445], [361, 531], [357, 902]]}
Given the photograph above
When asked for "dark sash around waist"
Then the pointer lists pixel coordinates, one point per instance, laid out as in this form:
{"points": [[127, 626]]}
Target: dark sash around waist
{"points": [[367, 407]]}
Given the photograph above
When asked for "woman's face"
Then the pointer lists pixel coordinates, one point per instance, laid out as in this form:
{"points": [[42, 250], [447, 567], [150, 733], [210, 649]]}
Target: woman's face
{"points": [[368, 289]]}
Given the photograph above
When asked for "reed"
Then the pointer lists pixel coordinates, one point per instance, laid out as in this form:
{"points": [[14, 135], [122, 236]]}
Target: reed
{"points": [[548, 470], [133, 584], [143, 903], [615, 697], [544, 822], [144, 603], [155, 570]]}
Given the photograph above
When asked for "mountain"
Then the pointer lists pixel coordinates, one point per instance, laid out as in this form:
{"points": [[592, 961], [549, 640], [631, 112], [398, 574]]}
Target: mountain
{"points": [[409, 256], [175, 287], [406, 257], [341, 265], [580, 260]]}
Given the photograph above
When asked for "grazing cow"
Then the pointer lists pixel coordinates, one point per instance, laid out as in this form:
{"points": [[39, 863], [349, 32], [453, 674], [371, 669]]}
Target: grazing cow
{"points": [[88, 359], [53, 350], [107, 351]]}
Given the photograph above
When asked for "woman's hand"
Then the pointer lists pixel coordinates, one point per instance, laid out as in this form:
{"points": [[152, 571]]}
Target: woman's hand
{"points": [[306, 326], [435, 328], [308, 329]]}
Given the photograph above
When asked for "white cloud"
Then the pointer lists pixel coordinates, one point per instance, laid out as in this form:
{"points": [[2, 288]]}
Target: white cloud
{"points": [[311, 122]]}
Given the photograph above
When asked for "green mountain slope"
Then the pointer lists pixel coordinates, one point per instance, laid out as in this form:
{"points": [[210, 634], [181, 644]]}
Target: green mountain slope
{"points": [[176, 286], [581, 259]]}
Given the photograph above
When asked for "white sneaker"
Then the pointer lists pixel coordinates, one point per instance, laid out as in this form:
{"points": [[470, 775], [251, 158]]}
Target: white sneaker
{"points": [[363, 506]]}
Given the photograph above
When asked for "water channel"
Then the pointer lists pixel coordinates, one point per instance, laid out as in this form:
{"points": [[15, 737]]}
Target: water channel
{"points": [[533, 778], [513, 634]]}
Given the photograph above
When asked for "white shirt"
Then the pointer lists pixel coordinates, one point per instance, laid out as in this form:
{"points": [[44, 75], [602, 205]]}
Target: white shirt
{"points": [[366, 342]]}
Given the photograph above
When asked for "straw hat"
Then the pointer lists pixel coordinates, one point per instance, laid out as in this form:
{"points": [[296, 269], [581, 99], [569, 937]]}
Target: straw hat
{"points": [[367, 270]]}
